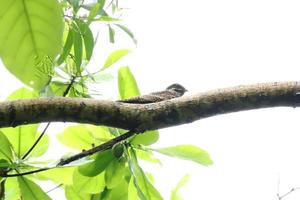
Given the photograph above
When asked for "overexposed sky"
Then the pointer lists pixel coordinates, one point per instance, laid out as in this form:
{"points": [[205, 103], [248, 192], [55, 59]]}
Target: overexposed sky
{"points": [[212, 44]]}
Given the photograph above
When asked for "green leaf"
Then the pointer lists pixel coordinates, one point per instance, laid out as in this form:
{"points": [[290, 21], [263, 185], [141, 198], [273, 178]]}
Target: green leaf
{"points": [[75, 4], [12, 190], [72, 194], [175, 192], [83, 136], [77, 41], [93, 12], [22, 93], [127, 83], [6, 148], [132, 190], [145, 190], [114, 57], [187, 152], [120, 192], [30, 38], [147, 138], [102, 160], [21, 137], [114, 173], [147, 156], [88, 40], [111, 32], [128, 32], [30, 190], [57, 88], [85, 184], [67, 47], [62, 175]]}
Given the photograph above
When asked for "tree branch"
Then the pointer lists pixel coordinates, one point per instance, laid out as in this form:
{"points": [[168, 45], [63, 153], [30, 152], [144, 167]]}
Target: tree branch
{"points": [[150, 116]]}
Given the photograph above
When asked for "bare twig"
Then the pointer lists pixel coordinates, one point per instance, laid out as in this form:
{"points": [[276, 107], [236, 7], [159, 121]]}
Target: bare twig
{"points": [[99, 148], [288, 193]]}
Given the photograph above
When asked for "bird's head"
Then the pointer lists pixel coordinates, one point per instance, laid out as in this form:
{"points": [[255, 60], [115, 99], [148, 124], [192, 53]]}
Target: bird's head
{"points": [[177, 88]]}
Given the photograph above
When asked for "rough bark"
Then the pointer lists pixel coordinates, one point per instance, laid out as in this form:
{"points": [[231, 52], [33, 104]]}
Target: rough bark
{"points": [[173, 112]]}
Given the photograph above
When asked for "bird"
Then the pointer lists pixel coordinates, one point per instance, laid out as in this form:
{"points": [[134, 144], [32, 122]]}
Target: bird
{"points": [[173, 91]]}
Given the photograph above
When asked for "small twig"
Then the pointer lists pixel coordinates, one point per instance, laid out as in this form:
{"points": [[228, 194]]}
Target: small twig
{"points": [[99, 148], [24, 173], [58, 186], [48, 124], [102, 147], [286, 194]]}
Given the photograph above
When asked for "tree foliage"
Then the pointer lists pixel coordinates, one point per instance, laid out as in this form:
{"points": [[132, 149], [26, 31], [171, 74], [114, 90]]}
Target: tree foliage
{"points": [[48, 45]]}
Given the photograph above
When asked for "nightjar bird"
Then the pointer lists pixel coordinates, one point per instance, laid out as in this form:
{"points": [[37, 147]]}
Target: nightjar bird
{"points": [[173, 91]]}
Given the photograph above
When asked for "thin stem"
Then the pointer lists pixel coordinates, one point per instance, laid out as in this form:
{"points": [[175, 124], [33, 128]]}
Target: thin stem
{"points": [[58, 186], [286, 194], [24, 173], [102, 147], [48, 124]]}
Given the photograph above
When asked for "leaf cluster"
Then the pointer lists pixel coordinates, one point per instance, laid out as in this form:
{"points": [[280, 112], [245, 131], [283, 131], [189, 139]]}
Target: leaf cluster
{"points": [[49, 49]]}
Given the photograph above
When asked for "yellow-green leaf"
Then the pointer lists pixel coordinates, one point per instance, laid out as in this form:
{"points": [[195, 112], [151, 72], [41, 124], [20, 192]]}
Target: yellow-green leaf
{"points": [[30, 38], [187, 152], [127, 83], [114, 57], [30, 190], [175, 192]]}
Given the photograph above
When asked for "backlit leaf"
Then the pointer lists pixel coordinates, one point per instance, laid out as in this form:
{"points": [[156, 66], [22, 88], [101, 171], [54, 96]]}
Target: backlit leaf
{"points": [[30, 190], [30, 38], [145, 190], [187, 152], [114, 57], [102, 160]]}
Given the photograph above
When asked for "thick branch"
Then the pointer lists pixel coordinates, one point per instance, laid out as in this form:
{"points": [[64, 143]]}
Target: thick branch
{"points": [[150, 116]]}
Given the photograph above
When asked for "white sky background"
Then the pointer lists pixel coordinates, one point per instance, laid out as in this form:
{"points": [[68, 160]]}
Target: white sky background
{"points": [[212, 44]]}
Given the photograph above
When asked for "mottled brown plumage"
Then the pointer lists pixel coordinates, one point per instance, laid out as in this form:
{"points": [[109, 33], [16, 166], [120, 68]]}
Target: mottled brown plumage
{"points": [[173, 91]]}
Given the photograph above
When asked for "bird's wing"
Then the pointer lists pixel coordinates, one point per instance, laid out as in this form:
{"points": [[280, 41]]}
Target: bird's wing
{"points": [[150, 98]]}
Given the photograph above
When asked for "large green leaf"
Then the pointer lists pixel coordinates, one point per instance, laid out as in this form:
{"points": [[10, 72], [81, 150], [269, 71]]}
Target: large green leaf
{"points": [[5, 150], [87, 184], [127, 84], [62, 175], [120, 192], [72, 194], [102, 160], [30, 38], [30, 190], [147, 138], [187, 152], [12, 190], [21, 137], [114, 57], [145, 190], [83, 136], [114, 173], [22, 93], [67, 47]]}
